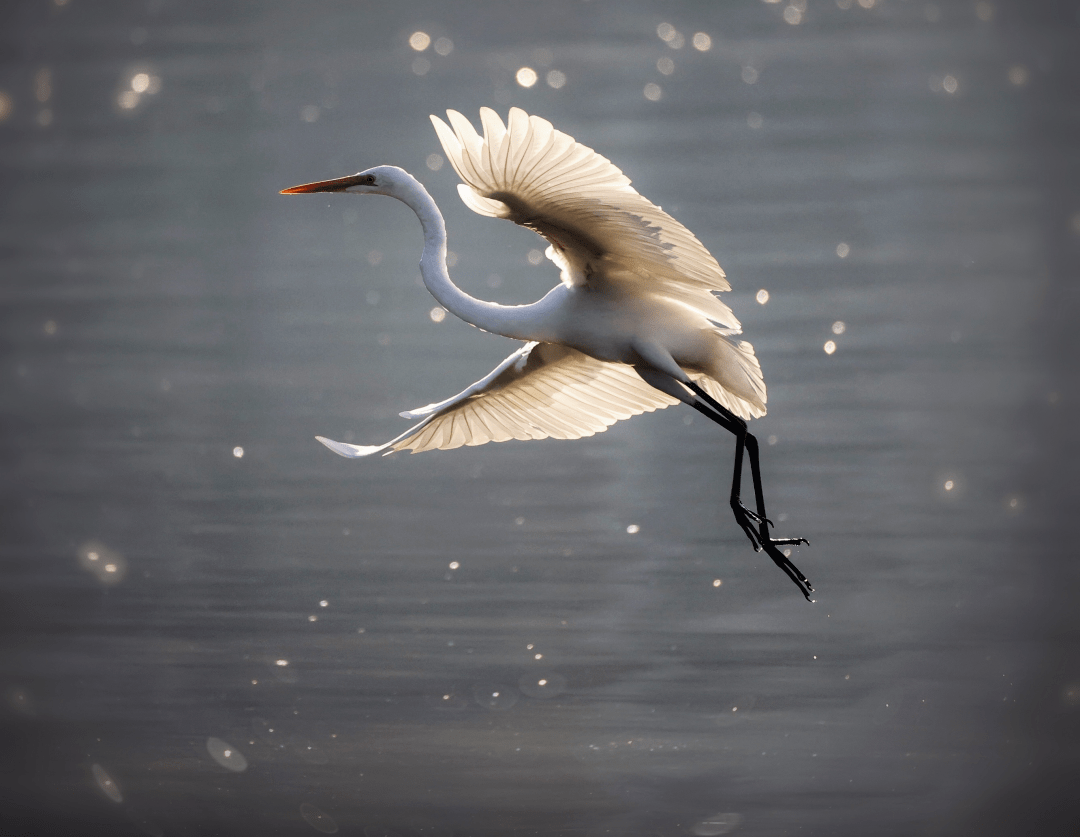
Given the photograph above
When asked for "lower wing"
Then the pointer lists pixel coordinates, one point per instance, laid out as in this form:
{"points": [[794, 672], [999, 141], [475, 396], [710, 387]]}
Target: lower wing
{"points": [[541, 391]]}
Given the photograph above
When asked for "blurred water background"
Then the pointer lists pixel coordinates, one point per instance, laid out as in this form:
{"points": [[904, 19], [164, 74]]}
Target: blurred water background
{"points": [[213, 625]]}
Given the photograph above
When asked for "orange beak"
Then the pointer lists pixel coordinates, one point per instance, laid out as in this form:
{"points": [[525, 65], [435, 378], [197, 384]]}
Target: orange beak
{"points": [[339, 184]]}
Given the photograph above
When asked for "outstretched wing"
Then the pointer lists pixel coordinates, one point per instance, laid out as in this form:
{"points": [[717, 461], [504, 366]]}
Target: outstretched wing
{"points": [[598, 224], [541, 391]]}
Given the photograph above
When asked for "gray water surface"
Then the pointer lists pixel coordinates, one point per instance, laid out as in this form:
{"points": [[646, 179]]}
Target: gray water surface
{"points": [[212, 625]]}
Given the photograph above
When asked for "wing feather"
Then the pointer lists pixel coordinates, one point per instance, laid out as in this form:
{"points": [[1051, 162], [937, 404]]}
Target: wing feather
{"points": [[539, 177], [541, 391]]}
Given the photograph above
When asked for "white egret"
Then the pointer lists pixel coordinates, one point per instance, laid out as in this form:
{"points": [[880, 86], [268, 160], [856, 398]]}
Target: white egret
{"points": [[634, 326]]}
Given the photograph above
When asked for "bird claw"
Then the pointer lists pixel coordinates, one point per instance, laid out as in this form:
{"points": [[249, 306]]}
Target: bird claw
{"points": [[746, 519], [760, 540], [784, 563], [754, 516], [790, 541]]}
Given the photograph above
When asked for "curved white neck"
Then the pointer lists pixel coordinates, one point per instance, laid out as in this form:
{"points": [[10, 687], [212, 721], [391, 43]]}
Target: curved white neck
{"points": [[520, 322]]}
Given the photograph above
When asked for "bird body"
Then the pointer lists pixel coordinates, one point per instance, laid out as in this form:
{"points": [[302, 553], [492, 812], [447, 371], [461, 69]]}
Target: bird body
{"points": [[634, 325]]}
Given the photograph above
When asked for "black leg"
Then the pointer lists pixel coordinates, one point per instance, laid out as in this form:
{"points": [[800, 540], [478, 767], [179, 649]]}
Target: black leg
{"points": [[743, 516], [760, 538], [755, 471]]}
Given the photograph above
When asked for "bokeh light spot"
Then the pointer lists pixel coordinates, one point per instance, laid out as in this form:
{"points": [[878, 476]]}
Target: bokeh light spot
{"points": [[106, 565], [1018, 75], [20, 701], [542, 686], [106, 783], [226, 755], [494, 696]]}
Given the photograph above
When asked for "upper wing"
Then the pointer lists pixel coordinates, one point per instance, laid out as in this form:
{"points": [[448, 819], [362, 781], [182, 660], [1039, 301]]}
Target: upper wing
{"points": [[542, 390], [543, 179]]}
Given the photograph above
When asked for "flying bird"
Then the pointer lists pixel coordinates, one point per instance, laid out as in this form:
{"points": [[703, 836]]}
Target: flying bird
{"points": [[635, 325]]}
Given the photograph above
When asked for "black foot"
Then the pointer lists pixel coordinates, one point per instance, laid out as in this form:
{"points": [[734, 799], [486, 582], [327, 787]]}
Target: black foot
{"points": [[750, 522], [790, 541], [784, 563]]}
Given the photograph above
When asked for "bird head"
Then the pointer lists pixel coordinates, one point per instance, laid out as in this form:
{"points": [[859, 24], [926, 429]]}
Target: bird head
{"points": [[381, 180]]}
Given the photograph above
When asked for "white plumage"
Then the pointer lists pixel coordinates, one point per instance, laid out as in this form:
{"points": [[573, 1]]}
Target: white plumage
{"points": [[541, 391], [635, 324], [543, 179]]}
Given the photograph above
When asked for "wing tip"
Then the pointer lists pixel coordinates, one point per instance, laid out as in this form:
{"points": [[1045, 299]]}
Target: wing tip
{"points": [[349, 451], [419, 412]]}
